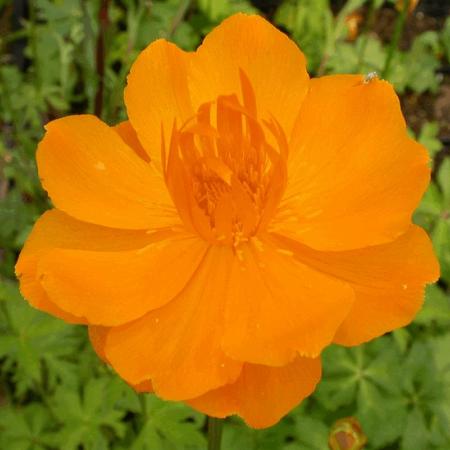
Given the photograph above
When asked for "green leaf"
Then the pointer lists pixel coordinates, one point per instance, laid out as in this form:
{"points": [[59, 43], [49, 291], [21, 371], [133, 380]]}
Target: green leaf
{"points": [[310, 433], [360, 379], [86, 418], [169, 425], [415, 433], [422, 61], [428, 137], [27, 428], [33, 340], [383, 417], [430, 208], [311, 25], [214, 9], [445, 38], [441, 242], [426, 394], [444, 182], [436, 309]]}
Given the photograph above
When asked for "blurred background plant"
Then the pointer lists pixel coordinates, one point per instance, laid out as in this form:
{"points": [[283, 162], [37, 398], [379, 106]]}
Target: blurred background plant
{"points": [[59, 57]]}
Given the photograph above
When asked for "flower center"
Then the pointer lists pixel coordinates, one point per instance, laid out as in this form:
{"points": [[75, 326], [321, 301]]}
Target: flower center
{"points": [[225, 169]]}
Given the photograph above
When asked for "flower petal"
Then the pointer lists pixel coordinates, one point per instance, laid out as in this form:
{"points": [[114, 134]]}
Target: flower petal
{"points": [[90, 173], [55, 229], [388, 281], [178, 346], [355, 177], [262, 395], [97, 336], [129, 136], [274, 65], [157, 93], [112, 288], [166, 84], [276, 307]]}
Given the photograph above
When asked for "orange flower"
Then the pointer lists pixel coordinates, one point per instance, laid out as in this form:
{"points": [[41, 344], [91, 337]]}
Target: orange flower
{"points": [[242, 220]]}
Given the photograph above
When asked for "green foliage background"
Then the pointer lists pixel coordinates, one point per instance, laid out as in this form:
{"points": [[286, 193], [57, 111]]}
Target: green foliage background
{"points": [[54, 392]]}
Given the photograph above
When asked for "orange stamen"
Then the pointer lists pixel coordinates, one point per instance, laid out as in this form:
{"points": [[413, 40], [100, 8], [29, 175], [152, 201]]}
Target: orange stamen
{"points": [[224, 176]]}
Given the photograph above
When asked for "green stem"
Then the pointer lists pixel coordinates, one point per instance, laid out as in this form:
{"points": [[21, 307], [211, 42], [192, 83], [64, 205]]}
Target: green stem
{"points": [[365, 33], [143, 403], [178, 18], [100, 56], [34, 50], [214, 433], [399, 25]]}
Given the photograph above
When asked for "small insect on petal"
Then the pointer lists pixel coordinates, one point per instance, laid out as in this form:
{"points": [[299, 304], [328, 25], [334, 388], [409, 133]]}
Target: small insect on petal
{"points": [[370, 77]]}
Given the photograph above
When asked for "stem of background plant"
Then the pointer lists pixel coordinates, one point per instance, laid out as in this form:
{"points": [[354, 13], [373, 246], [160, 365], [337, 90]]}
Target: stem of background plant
{"points": [[365, 33], [143, 403], [214, 433], [178, 18], [398, 30], [33, 44], [89, 63], [100, 56]]}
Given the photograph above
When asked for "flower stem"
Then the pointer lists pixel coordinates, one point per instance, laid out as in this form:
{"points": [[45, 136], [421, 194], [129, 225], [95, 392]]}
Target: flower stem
{"points": [[399, 25], [214, 433], [100, 56], [368, 24]]}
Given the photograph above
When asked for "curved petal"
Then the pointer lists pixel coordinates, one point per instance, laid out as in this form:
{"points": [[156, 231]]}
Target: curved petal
{"points": [[262, 395], [55, 229], [274, 65], [178, 345], [157, 93], [129, 136], [90, 173], [388, 281], [277, 307], [97, 336], [112, 288], [355, 177]]}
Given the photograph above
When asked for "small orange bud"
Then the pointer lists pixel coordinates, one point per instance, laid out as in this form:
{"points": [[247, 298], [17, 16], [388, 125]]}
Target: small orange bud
{"points": [[346, 434], [352, 21]]}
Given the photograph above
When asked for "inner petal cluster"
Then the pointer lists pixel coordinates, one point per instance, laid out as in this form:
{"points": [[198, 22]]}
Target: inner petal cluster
{"points": [[226, 168]]}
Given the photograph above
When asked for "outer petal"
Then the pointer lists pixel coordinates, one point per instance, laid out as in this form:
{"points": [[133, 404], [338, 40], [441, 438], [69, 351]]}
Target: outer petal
{"points": [[262, 395], [90, 173], [112, 288], [55, 229], [272, 62], [355, 177], [388, 281], [97, 336], [178, 345], [276, 307], [157, 93]]}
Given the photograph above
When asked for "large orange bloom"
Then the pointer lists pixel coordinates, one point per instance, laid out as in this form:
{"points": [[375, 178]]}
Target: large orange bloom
{"points": [[242, 220]]}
